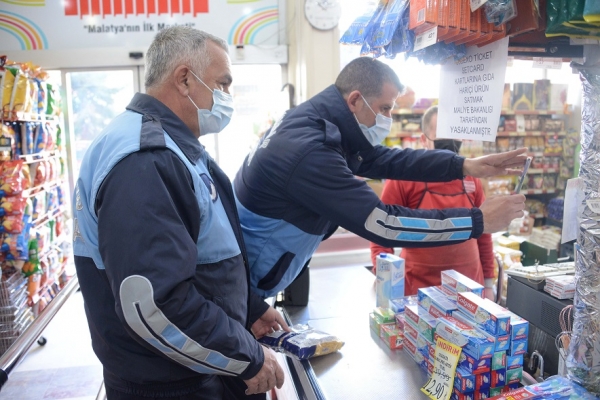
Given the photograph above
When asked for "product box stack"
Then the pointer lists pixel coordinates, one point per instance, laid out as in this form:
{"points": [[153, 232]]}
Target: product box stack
{"points": [[493, 340], [386, 320]]}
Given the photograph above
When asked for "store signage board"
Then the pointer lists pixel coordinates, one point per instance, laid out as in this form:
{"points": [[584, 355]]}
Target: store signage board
{"points": [[471, 93], [440, 384], [76, 24]]}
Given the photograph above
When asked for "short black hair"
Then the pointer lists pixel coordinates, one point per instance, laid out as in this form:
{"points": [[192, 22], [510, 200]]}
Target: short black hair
{"points": [[368, 76]]}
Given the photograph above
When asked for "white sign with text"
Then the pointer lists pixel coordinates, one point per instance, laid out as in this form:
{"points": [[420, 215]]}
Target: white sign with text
{"points": [[471, 93]]}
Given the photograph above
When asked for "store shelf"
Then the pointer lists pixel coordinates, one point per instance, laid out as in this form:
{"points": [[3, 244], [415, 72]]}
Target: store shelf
{"points": [[405, 135], [531, 133], [44, 187], [42, 156], [27, 117], [543, 171], [538, 191]]}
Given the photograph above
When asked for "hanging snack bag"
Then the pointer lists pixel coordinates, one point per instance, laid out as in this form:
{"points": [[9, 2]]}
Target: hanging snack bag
{"points": [[50, 136], [12, 224], [10, 178], [8, 77], [27, 137], [40, 138], [13, 205], [39, 174], [355, 34], [20, 94], [14, 245]]}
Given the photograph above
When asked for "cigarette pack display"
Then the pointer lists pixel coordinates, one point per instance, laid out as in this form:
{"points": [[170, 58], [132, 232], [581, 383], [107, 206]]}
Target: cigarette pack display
{"points": [[490, 319], [472, 365], [499, 360], [390, 279], [466, 336], [459, 283], [498, 377], [517, 347]]}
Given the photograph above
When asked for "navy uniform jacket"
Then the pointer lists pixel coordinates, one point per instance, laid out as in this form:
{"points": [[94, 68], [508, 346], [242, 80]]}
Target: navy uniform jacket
{"points": [[161, 260], [300, 183]]}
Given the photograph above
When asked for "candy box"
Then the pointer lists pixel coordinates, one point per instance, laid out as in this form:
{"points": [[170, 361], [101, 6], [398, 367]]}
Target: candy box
{"points": [[422, 320], [513, 362], [473, 342], [499, 360], [460, 283], [472, 365], [517, 347], [392, 337], [493, 321], [390, 278]]}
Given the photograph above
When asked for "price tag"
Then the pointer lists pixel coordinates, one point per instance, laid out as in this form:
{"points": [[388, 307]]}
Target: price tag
{"points": [[545, 62], [440, 384], [426, 39], [475, 4]]}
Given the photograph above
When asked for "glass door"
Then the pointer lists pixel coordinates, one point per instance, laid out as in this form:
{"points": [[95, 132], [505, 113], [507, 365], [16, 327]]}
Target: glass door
{"points": [[92, 98]]}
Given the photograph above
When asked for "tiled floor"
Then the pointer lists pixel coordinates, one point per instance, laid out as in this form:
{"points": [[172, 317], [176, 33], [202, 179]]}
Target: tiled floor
{"points": [[64, 368]]}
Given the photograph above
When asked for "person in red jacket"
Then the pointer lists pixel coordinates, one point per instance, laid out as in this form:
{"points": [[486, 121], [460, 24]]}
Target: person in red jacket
{"points": [[473, 258]]}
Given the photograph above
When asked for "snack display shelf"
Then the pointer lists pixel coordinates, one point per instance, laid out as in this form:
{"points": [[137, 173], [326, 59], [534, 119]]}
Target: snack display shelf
{"points": [[37, 157], [26, 117], [543, 170], [538, 191], [340, 301], [530, 133], [43, 187]]}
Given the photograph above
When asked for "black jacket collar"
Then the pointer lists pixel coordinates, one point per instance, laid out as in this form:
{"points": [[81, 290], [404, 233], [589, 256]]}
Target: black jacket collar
{"points": [[171, 123], [331, 106]]}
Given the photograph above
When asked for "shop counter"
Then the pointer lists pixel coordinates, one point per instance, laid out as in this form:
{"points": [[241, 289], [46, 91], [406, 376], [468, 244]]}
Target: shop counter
{"points": [[340, 301]]}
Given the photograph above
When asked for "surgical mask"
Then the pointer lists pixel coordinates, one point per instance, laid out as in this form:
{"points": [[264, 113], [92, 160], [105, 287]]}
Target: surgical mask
{"points": [[380, 130], [447, 144], [215, 120]]}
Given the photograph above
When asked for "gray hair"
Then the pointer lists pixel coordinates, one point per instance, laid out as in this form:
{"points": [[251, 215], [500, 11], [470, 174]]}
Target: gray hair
{"points": [[368, 76], [175, 46], [427, 115]]}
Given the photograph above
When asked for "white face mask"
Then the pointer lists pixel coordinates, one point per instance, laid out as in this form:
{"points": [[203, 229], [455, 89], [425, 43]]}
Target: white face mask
{"points": [[215, 120], [380, 130]]}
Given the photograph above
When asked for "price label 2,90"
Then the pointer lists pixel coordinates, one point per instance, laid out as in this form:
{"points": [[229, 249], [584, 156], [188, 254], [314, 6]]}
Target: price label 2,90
{"points": [[439, 386]]}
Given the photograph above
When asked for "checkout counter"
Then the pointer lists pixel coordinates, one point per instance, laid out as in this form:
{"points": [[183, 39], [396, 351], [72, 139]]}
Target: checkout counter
{"points": [[340, 300]]}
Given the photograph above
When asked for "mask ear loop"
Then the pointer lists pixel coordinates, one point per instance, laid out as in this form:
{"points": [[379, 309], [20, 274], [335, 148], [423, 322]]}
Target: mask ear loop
{"points": [[201, 81]]}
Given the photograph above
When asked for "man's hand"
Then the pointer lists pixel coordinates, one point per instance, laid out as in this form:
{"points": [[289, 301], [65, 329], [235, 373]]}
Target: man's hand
{"points": [[507, 163], [498, 211], [270, 321], [269, 376], [488, 293]]}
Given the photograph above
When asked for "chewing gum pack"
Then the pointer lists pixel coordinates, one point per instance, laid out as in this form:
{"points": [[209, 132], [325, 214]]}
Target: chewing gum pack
{"points": [[459, 283], [422, 320], [466, 336], [490, 319]]}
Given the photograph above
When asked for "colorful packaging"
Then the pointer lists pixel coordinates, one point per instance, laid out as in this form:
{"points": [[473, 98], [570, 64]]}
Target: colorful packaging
{"points": [[464, 381], [466, 336], [400, 321], [421, 320], [459, 283], [423, 345], [390, 278], [376, 325], [424, 295], [490, 319], [515, 361], [303, 344], [466, 320], [472, 365], [483, 393], [392, 337], [499, 360], [517, 347], [456, 395], [498, 378], [450, 294], [411, 331], [496, 391], [384, 315], [502, 343], [514, 375]]}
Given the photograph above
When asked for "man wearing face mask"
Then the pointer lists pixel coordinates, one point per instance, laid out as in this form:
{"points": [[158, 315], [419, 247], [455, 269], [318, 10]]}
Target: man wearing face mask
{"points": [[474, 257], [158, 247], [300, 182]]}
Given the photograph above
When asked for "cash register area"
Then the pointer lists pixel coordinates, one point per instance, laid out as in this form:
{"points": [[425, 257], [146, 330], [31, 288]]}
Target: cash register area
{"points": [[377, 360]]}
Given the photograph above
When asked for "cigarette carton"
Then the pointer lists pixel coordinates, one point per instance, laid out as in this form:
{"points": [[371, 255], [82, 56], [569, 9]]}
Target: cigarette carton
{"points": [[489, 319], [466, 336], [460, 283], [390, 278]]}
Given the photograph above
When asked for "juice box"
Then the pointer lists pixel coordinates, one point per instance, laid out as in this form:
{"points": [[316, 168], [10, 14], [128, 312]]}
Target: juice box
{"points": [[390, 278]]}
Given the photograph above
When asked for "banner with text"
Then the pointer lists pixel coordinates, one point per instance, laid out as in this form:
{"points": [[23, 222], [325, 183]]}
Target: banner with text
{"points": [[71, 24], [471, 93]]}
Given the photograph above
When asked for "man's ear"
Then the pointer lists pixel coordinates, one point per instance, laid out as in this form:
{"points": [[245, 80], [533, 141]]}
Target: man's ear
{"points": [[181, 77], [355, 101]]}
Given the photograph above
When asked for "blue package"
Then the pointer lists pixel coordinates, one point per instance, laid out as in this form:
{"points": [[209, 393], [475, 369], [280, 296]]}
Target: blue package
{"points": [[515, 361]]}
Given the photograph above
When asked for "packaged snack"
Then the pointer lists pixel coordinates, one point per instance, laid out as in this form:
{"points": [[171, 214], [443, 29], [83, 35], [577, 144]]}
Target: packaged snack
{"points": [[13, 205], [303, 342], [39, 141], [39, 176], [15, 245], [27, 137], [20, 97], [12, 224], [8, 76]]}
